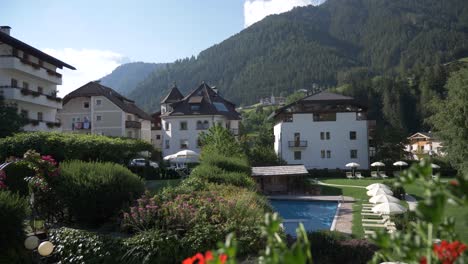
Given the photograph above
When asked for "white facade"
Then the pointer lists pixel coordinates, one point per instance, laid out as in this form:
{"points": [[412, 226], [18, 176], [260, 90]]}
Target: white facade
{"points": [[323, 144], [99, 115], [31, 84], [181, 132]]}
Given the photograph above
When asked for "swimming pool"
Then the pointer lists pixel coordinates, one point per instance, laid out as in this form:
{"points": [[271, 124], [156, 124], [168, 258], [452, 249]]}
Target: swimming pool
{"points": [[314, 215]]}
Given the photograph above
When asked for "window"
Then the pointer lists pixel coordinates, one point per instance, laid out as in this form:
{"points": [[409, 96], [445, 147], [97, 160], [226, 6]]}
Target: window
{"points": [[352, 135], [129, 117], [14, 83], [98, 102], [220, 107], [25, 85], [206, 124], [158, 137], [86, 105], [40, 89], [328, 154], [24, 113], [297, 155], [328, 135], [297, 137], [14, 52], [98, 118], [195, 107], [322, 135], [167, 144], [324, 117], [129, 134], [354, 153], [184, 143], [167, 126], [183, 125], [39, 116], [199, 125], [25, 56], [322, 154]]}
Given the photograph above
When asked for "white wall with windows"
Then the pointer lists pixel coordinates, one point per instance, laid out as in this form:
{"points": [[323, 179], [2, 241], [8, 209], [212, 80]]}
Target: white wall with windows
{"points": [[323, 144]]}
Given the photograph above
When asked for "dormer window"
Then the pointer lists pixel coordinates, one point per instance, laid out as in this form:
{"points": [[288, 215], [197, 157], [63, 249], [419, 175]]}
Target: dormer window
{"points": [[195, 107]]}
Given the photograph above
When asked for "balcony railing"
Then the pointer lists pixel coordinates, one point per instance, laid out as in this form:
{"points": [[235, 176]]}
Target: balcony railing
{"points": [[132, 124], [297, 144], [36, 66], [81, 125]]}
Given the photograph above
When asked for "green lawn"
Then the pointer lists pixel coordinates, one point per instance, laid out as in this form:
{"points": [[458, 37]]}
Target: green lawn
{"points": [[359, 194], [155, 186]]}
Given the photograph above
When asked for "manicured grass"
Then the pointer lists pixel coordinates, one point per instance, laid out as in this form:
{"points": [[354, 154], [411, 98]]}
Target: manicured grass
{"points": [[359, 194], [155, 186]]}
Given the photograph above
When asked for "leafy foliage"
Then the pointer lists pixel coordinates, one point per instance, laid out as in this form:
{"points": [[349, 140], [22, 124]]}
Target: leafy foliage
{"points": [[219, 140], [67, 146], [15, 175], [213, 174], [12, 122], [93, 192]]}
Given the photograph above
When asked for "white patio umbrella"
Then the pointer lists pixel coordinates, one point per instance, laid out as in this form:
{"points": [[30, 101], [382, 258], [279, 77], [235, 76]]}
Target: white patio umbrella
{"points": [[389, 208], [352, 165], [383, 198], [377, 191], [378, 164], [400, 164], [435, 166], [377, 185], [187, 156]]}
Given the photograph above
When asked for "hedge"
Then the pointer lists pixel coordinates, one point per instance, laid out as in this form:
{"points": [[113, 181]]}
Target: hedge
{"points": [[214, 174], [67, 146], [15, 174], [93, 192], [231, 164], [13, 211]]}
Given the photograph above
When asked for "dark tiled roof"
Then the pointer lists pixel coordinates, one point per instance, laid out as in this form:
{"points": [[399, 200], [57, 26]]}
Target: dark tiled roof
{"points": [[208, 101], [173, 96], [96, 89], [5, 38], [279, 170], [425, 134], [326, 96]]}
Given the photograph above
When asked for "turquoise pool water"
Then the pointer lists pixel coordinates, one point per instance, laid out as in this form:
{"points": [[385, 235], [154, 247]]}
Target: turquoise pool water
{"points": [[314, 215]]}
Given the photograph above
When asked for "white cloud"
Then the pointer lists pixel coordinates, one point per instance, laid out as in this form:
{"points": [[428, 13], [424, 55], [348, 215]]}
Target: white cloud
{"points": [[90, 64], [256, 10]]}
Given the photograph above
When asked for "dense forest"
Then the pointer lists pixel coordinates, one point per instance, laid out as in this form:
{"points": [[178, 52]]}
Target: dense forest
{"points": [[393, 54], [127, 76]]}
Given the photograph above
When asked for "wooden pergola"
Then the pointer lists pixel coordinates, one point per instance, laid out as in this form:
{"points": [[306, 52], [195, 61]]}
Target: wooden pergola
{"points": [[280, 179]]}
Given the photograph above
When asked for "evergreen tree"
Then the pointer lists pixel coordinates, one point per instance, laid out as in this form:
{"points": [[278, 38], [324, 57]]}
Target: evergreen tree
{"points": [[11, 122]]}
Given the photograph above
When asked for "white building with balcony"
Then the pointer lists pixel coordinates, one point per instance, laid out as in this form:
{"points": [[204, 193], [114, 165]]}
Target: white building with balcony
{"points": [[184, 118], [28, 80], [97, 109], [322, 131]]}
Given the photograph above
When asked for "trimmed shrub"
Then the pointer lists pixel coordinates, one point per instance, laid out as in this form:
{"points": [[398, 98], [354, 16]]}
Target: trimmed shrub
{"points": [[215, 174], [231, 164], [15, 174], [13, 211], [78, 246], [67, 146], [146, 172], [335, 247], [93, 192]]}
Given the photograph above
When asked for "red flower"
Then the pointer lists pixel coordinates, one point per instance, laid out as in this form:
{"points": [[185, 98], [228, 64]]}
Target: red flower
{"points": [[454, 183], [423, 260], [49, 159], [449, 252], [204, 259]]}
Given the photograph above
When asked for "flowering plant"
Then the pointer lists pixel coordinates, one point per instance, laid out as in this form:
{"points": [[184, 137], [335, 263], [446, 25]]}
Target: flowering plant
{"points": [[143, 215]]}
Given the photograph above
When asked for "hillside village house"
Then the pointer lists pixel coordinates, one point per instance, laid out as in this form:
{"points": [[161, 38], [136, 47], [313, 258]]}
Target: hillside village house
{"points": [[184, 118], [29, 79], [97, 109], [156, 130], [423, 143], [323, 131]]}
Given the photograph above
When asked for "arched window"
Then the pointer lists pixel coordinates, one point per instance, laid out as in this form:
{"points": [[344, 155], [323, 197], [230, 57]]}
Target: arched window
{"points": [[206, 124], [199, 125]]}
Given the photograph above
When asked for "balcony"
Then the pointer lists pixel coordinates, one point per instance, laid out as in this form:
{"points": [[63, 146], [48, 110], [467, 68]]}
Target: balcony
{"points": [[132, 124], [297, 144], [41, 125], [81, 126], [29, 96], [25, 66]]}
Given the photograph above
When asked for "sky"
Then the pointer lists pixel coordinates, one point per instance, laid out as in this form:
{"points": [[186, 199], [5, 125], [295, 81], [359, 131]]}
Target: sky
{"points": [[96, 36]]}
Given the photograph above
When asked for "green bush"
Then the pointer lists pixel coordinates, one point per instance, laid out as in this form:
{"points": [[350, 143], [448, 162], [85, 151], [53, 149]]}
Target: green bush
{"points": [[15, 174], [78, 246], [67, 146], [93, 192], [146, 172], [231, 164], [335, 247], [13, 212], [214, 174]]}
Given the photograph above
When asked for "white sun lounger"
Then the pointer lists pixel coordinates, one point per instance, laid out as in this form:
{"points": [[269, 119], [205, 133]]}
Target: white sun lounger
{"points": [[359, 176], [349, 175], [373, 174], [383, 175]]}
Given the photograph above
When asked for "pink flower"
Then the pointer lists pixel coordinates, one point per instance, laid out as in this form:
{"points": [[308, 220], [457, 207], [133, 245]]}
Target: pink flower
{"points": [[2, 175]]}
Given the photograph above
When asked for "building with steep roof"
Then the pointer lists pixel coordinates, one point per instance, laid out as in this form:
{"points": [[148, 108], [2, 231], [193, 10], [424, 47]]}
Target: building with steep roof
{"points": [[422, 144], [97, 109], [183, 118], [28, 80], [323, 131]]}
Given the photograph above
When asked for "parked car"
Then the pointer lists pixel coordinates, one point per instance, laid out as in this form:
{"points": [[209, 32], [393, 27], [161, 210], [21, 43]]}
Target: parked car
{"points": [[143, 163]]}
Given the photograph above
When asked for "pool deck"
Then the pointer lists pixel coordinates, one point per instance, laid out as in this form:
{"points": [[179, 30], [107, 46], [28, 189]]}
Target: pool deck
{"points": [[344, 218]]}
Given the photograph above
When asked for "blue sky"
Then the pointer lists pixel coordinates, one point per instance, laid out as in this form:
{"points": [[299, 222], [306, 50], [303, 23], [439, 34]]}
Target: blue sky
{"points": [[97, 36]]}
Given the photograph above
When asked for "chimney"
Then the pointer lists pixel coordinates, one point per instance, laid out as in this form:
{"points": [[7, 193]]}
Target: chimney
{"points": [[5, 29]]}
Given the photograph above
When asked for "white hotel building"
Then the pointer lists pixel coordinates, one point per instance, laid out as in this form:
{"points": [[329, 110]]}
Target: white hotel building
{"points": [[184, 118], [323, 131], [28, 80]]}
